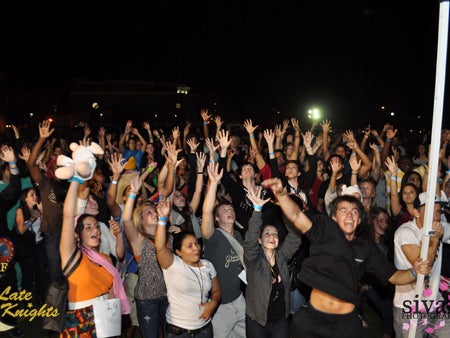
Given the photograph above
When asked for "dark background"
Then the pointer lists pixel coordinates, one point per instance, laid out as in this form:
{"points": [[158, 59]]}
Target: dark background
{"points": [[347, 57]]}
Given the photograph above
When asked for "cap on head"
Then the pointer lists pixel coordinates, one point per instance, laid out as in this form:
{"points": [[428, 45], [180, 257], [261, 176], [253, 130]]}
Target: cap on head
{"points": [[442, 199], [350, 190]]}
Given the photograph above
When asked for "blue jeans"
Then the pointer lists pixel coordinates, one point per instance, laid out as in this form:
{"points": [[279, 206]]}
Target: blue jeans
{"points": [[151, 313], [205, 332], [53, 257]]}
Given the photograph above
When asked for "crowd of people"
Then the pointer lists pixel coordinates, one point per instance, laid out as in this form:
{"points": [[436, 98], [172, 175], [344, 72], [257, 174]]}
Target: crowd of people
{"points": [[256, 231]]}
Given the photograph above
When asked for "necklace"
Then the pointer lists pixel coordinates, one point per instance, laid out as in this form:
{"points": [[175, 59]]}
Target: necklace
{"points": [[276, 279], [199, 280]]}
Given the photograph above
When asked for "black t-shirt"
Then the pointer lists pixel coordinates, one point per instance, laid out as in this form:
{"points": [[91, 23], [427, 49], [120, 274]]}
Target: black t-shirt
{"points": [[336, 265]]}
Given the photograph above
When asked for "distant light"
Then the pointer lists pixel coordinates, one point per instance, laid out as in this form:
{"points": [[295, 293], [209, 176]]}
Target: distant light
{"points": [[383, 107], [176, 115], [31, 114], [314, 114], [156, 115], [95, 105], [392, 113], [101, 114], [50, 120], [419, 117]]}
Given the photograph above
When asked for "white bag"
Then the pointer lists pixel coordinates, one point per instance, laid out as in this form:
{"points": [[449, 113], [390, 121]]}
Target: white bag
{"points": [[108, 317]]}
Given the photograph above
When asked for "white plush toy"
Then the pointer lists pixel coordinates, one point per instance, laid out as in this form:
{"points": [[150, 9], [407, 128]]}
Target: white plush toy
{"points": [[82, 164]]}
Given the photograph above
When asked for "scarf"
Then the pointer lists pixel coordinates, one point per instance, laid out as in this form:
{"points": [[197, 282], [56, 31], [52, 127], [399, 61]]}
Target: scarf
{"points": [[118, 288]]}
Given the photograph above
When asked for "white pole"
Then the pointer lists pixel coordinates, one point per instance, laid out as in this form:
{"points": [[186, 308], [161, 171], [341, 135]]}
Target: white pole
{"points": [[433, 163]]}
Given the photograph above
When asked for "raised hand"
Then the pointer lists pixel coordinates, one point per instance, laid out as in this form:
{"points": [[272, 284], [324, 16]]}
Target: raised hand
{"points": [[205, 115], [7, 154], [191, 143], [44, 129], [25, 153], [116, 164], [213, 172], [201, 159], [248, 125]]}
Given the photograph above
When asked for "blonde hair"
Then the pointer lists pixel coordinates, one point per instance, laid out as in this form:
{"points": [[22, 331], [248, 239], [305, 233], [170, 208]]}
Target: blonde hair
{"points": [[137, 217]]}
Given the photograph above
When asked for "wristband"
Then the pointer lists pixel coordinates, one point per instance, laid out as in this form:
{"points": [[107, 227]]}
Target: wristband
{"points": [[75, 179], [12, 162], [366, 136], [199, 172], [162, 223], [384, 129], [271, 153], [150, 168], [413, 273], [114, 182], [439, 180], [133, 197], [394, 178], [163, 218], [308, 149], [27, 222], [354, 173], [252, 136], [211, 161], [388, 140], [447, 172], [205, 122], [257, 207]]}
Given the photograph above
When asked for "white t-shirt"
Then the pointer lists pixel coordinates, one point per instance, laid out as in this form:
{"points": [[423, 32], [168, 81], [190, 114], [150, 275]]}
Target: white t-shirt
{"points": [[409, 233], [188, 286]]}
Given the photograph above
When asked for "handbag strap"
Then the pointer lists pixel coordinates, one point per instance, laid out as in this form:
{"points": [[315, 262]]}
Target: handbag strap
{"points": [[70, 261]]}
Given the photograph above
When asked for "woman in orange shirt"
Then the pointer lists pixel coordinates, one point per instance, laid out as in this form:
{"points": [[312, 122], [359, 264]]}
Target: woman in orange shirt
{"points": [[94, 278]]}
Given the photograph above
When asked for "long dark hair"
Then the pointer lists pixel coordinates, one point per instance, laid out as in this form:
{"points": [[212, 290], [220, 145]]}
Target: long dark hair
{"points": [[23, 204]]}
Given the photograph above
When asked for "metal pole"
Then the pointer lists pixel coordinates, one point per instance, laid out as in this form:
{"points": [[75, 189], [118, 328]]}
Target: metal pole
{"points": [[433, 164]]}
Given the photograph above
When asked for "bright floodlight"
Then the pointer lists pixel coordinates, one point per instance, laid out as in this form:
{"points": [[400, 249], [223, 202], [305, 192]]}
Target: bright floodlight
{"points": [[314, 114]]}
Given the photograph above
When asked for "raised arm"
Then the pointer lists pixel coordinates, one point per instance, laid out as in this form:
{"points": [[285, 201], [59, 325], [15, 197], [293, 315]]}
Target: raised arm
{"points": [[205, 117], [116, 165], [210, 200], [163, 252], [146, 126], [124, 135], [297, 137], [288, 206], [44, 133], [67, 242], [326, 127], [196, 197], [134, 237], [391, 165]]}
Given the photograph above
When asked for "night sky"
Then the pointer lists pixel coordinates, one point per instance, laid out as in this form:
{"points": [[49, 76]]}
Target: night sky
{"points": [[347, 57]]}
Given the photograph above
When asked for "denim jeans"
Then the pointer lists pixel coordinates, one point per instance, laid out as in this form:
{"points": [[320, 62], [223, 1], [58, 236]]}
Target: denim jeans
{"points": [[53, 256], [205, 332], [151, 313]]}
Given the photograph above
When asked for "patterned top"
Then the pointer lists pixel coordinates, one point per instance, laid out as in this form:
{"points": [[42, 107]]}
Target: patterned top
{"points": [[150, 284]]}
